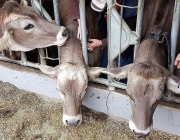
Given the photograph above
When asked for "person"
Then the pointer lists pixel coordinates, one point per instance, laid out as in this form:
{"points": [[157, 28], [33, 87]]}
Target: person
{"points": [[177, 61], [129, 15], [98, 5]]}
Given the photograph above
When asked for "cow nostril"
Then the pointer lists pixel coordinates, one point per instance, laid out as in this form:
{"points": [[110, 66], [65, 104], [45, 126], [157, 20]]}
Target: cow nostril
{"points": [[67, 122], [65, 33], [133, 131], [77, 122]]}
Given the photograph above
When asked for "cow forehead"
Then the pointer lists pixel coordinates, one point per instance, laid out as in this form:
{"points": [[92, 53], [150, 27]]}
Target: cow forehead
{"points": [[72, 79], [72, 71], [12, 17], [140, 79], [138, 85]]}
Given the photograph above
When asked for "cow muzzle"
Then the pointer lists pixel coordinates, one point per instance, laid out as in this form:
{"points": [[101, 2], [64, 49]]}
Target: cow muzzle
{"points": [[137, 131], [61, 36], [72, 121]]}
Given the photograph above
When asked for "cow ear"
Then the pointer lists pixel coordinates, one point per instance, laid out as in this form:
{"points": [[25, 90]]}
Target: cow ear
{"points": [[119, 72], [173, 83], [94, 71], [51, 71], [24, 2]]}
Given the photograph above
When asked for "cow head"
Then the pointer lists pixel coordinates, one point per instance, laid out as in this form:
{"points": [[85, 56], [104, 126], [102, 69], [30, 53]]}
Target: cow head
{"points": [[23, 29], [145, 87], [72, 82]]}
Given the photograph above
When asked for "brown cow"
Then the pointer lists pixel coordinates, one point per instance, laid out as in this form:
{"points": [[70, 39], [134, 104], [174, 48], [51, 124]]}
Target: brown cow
{"points": [[91, 24], [23, 29], [72, 73], [147, 76], [72, 80]]}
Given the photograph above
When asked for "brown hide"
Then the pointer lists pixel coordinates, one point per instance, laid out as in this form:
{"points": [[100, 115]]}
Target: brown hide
{"points": [[91, 23], [158, 21], [73, 48], [32, 56], [146, 79], [12, 54], [147, 76], [72, 25]]}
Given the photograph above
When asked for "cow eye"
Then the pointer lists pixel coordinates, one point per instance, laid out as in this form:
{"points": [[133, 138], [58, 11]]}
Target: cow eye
{"points": [[28, 26]]}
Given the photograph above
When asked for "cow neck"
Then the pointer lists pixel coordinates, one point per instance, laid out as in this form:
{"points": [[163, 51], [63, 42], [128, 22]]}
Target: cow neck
{"points": [[164, 41]]}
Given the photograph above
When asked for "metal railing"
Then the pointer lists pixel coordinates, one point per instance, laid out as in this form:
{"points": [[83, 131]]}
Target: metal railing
{"points": [[117, 27]]}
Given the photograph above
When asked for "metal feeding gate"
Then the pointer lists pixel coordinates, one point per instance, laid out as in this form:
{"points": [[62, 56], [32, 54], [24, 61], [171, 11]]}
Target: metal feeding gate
{"points": [[119, 38], [117, 27]]}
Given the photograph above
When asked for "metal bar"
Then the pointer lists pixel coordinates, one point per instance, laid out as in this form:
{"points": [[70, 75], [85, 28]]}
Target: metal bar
{"points": [[120, 18], [41, 8], [42, 60], [56, 11], [23, 59], [139, 23], [169, 96], [83, 29], [29, 64], [110, 61], [109, 83], [174, 32], [109, 8], [38, 7], [57, 21]]}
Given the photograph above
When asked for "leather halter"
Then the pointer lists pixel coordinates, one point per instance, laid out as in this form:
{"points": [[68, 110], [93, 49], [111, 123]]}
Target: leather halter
{"points": [[162, 38]]}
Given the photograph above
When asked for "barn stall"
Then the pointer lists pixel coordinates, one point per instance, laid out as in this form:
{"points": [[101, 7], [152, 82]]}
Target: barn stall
{"points": [[107, 96]]}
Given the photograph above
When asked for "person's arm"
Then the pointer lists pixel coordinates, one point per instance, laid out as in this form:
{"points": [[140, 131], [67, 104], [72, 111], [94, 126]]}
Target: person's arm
{"points": [[177, 61], [93, 43]]}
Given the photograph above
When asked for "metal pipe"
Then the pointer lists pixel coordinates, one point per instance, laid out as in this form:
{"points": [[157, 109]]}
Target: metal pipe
{"points": [[83, 29], [56, 12], [139, 23], [29, 64], [109, 29], [109, 83], [42, 60], [57, 21], [38, 7], [109, 9], [174, 32], [23, 59], [120, 18], [174, 36]]}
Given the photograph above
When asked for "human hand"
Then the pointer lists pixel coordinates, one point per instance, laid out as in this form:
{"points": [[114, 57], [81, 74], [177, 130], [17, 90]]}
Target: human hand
{"points": [[93, 43], [79, 30], [177, 61]]}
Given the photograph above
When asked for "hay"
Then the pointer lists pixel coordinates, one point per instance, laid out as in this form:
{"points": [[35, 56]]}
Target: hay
{"points": [[28, 116]]}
